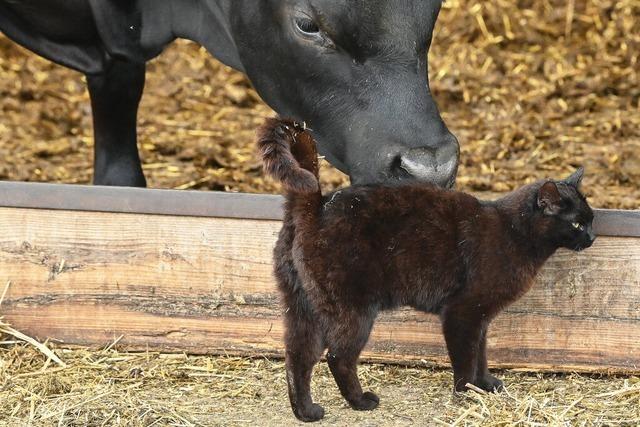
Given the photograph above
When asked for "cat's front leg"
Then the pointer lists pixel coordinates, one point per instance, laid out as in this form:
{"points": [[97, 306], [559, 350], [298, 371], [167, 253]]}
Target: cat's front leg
{"points": [[484, 379], [462, 332]]}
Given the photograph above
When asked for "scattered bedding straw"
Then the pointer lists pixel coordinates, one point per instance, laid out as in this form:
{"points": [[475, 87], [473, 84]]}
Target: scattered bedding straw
{"points": [[6, 329], [110, 388]]}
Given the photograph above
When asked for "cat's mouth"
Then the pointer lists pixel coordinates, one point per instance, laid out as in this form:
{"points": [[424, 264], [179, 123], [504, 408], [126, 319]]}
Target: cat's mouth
{"points": [[581, 247]]}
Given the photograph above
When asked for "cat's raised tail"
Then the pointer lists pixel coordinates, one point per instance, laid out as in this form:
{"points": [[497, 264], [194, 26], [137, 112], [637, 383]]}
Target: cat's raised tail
{"points": [[289, 155]]}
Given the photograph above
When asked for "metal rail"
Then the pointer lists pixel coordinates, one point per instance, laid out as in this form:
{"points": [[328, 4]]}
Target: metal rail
{"points": [[140, 201], [608, 222]]}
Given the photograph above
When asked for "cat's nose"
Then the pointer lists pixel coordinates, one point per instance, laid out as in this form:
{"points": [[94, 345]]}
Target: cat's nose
{"points": [[588, 240]]}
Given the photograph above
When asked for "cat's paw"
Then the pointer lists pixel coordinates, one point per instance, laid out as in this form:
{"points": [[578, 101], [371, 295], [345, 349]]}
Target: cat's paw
{"points": [[281, 130], [367, 402], [489, 383], [310, 413]]}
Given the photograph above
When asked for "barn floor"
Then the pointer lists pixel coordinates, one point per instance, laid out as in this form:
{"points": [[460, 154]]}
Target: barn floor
{"points": [[532, 89], [109, 388]]}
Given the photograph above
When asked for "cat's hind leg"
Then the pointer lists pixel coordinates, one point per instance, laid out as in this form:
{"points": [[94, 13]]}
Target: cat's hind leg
{"points": [[304, 347], [304, 343], [304, 338], [347, 336]]}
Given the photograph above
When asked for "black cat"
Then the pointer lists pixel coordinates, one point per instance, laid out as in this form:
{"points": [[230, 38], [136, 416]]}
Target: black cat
{"points": [[342, 258]]}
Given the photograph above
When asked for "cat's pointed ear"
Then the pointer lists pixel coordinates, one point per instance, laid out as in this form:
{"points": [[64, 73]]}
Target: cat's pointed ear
{"points": [[549, 198], [576, 178]]}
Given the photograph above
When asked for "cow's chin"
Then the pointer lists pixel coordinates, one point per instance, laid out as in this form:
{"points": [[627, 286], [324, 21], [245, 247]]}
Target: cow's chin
{"points": [[418, 165], [401, 176], [425, 176]]}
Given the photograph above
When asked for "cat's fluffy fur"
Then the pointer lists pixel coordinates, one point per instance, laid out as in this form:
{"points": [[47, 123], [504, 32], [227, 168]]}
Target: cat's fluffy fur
{"points": [[342, 258]]}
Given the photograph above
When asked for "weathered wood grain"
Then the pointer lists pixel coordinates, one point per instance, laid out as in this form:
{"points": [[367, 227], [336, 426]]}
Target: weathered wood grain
{"points": [[204, 285]]}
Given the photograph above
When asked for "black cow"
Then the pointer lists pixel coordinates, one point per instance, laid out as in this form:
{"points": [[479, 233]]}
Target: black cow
{"points": [[355, 70]]}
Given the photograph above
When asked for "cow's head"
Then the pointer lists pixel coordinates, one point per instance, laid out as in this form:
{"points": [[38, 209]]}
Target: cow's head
{"points": [[356, 72]]}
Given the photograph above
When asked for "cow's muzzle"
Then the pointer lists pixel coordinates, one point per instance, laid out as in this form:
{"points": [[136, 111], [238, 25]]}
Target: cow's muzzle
{"points": [[435, 165]]}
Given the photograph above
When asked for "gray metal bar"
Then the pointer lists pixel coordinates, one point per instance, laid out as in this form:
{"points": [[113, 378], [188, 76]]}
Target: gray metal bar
{"points": [[140, 200], [608, 222], [615, 222]]}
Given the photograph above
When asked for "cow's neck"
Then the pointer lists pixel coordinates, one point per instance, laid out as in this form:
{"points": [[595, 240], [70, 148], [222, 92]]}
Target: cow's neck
{"points": [[206, 22]]}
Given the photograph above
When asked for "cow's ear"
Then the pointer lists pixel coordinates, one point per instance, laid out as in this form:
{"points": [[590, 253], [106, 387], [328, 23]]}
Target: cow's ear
{"points": [[576, 178], [549, 199]]}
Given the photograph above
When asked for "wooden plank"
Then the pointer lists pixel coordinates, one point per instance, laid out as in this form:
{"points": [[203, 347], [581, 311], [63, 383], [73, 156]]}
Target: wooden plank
{"points": [[204, 285], [527, 341], [608, 222]]}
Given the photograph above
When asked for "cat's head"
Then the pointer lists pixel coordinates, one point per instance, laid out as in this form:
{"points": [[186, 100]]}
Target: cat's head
{"points": [[565, 218]]}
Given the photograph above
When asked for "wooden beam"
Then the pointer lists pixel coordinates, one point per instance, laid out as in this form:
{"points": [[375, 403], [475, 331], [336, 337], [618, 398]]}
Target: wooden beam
{"points": [[204, 285]]}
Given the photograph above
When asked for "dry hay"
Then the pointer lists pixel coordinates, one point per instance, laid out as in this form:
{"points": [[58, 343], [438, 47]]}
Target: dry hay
{"points": [[110, 388], [532, 88]]}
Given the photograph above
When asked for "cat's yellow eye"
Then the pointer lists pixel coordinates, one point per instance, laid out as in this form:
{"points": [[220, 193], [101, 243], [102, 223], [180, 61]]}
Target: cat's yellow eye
{"points": [[577, 226]]}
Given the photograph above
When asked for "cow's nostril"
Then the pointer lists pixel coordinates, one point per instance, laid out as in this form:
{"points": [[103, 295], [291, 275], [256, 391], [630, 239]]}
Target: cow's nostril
{"points": [[397, 168], [419, 163], [438, 166]]}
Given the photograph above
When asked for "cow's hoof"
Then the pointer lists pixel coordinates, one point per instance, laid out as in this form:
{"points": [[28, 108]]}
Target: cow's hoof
{"points": [[311, 413], [490, 383], [121, 175], [367, 402]]}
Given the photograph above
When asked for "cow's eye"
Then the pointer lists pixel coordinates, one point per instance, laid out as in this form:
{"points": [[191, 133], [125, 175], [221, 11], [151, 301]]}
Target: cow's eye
{"points": [[307, 26]]}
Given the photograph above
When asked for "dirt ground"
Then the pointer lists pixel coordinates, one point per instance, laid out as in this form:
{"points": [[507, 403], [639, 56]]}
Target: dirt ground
{"points": [[108, 388], [531, 88]]}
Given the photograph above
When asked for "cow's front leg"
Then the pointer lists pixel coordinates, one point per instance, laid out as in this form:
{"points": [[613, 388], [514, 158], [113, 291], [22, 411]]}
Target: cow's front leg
{"points": [[115, 96]]}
